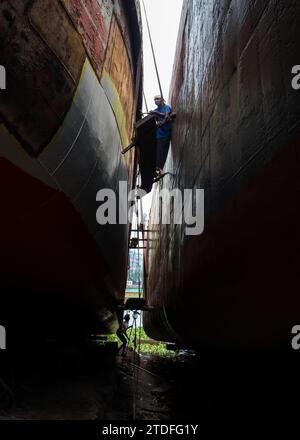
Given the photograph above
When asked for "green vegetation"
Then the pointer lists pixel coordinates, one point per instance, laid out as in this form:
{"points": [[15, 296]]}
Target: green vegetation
{"points": [[113, 338], [157, 349]]}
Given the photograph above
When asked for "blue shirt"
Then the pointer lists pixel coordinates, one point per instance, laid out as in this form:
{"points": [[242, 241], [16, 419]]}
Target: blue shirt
{"points": [[166, 129]]}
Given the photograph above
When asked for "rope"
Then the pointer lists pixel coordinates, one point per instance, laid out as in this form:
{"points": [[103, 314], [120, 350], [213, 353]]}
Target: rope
{"points": [[137, 346], [128, 343], [153, 54], [138, 236], [145, 100], [135, 377], [137, 335]]}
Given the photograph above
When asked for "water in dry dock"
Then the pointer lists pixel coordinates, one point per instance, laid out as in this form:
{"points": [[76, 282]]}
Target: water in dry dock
{"points": [[85, 381]]}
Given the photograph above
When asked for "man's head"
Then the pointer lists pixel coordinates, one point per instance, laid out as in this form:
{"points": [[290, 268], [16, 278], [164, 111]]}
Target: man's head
{"points": [[158, 100]]}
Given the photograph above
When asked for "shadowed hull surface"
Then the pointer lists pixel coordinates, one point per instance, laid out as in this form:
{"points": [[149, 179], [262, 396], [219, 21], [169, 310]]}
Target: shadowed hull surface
{"points": [[64, 120], [51, 268], [237, 284]]}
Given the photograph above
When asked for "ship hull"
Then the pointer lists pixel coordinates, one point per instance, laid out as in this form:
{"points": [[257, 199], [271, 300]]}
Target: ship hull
{"points": [[236, 285], [61, 271]]}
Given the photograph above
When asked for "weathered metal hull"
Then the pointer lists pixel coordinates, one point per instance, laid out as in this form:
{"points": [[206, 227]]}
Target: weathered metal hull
{"points": [[67, 113], [236, 136]]}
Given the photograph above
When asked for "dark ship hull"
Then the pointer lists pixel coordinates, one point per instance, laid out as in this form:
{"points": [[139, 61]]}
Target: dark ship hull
{"points": [[237, 136], [66, 114]]}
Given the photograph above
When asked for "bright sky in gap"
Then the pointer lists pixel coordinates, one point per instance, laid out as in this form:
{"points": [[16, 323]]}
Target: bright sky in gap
{"points": [[163, 18]]}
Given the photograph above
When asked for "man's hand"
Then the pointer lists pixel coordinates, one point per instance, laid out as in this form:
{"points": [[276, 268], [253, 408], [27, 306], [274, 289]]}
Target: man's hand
{"points": [[153, 112]]}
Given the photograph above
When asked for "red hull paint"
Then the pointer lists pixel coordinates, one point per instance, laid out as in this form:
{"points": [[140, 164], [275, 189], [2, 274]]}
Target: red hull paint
{"points": [[247, 262], [91, 24], [238, 282], [236, 136], [56, 263], [45, 247]]}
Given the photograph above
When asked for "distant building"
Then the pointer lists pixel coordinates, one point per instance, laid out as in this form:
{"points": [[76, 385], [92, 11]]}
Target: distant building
{"points": [[135, 273]]}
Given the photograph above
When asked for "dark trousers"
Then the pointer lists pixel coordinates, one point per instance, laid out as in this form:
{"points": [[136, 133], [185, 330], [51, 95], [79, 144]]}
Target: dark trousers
{"points": [[162, 151]]}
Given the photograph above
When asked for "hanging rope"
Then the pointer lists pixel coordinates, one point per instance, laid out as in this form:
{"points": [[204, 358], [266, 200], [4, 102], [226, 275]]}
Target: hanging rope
{"points": [[145, 100], [138, 222], [153, 54]]}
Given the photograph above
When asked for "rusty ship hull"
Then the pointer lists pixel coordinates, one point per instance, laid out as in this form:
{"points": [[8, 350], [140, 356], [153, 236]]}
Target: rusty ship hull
{"points": [[237, 136], [67, 112]]}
